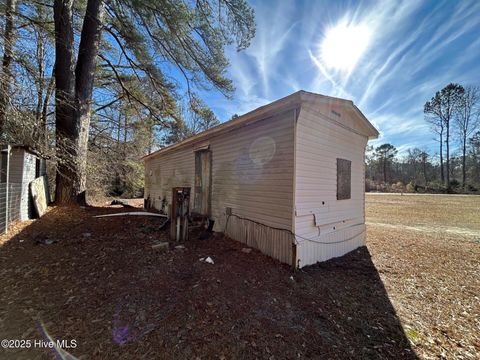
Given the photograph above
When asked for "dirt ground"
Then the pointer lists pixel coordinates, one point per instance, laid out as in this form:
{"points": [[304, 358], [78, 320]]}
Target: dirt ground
{"points": [[426, 249], [69, 276]]}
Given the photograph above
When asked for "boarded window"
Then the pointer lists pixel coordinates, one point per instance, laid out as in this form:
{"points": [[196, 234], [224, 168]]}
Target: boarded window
{"points": [[344, 179]]}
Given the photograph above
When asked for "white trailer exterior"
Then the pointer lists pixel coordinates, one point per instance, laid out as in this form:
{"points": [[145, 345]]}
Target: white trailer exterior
{"points": [[275, 170]]}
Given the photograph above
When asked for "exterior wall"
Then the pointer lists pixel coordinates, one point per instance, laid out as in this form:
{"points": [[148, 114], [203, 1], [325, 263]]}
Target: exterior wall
{"points": [[29, 171], [252, 173], [16, 165], [162, 173], [327, 227], [22, 168]]}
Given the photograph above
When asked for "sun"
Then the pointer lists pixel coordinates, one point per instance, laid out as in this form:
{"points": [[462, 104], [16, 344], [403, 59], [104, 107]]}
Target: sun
{"points": [[343, 45]]}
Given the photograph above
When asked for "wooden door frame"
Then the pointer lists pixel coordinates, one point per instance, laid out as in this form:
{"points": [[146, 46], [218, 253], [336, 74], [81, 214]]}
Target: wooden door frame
{"points": [[209, 195]]}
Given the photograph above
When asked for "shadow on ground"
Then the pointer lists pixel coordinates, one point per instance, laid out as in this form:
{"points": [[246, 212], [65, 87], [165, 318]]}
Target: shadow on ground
{"points": [[101, 284]]}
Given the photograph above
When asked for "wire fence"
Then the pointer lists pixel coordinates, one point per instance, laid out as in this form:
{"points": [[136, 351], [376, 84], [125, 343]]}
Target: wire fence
{"points": [[10, 202]]}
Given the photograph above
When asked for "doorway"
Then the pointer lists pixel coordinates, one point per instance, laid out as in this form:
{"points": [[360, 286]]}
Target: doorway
{"points": [[203, 175]]}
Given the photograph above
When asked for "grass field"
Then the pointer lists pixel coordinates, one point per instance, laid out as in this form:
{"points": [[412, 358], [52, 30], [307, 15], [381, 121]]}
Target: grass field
{"points": [[461, 212], [412, 292]]}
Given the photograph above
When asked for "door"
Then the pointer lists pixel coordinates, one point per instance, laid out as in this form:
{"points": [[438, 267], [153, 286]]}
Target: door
{"points": [[203, 175]]}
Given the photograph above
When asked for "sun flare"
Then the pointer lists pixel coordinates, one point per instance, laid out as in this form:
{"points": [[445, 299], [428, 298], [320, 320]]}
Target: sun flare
{"points": [[343, 45]]}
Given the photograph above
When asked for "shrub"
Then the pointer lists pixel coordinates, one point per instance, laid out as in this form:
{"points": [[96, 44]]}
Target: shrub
{"points": [[471, 188], [398, 187], [411, 187], [435, 186], [454, 183]]}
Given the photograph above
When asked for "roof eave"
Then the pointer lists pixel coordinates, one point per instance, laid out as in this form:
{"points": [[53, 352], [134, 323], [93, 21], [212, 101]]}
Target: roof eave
{"points": [[258, 114]]}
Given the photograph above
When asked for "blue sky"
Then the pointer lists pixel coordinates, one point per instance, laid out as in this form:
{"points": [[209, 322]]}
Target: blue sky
{"points": [[414, 48]]}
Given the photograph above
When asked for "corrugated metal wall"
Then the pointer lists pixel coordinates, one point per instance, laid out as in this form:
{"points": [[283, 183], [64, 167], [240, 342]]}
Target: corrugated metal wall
{"points": [[22, 170], [252, 173], [272, 242], [320, 217], [27, 210]]}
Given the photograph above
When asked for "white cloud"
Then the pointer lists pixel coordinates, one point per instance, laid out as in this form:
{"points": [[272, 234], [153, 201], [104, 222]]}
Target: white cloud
{"points": [[415, 50]]}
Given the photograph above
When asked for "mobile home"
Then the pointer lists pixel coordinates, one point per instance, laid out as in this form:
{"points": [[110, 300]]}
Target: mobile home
{"points": [[287, 178]]}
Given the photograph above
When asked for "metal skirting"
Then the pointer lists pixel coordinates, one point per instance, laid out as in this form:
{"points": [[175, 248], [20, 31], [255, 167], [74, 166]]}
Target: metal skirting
{"points": [[272, 242]]}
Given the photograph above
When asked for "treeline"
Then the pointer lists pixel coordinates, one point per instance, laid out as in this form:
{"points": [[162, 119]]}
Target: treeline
{"points": [[454, 117]]}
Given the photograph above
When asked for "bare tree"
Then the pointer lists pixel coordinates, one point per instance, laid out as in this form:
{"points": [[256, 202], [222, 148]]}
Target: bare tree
{"points": [[6, 76], [467, 121], [424, 161], [440, 112], [385, 154]]}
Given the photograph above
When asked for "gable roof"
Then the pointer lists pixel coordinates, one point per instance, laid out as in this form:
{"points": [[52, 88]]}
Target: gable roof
{"points": [[289, 102]]}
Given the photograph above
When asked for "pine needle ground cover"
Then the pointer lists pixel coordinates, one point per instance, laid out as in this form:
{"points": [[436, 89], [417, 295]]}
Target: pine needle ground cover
{"points": [[413, 292]]}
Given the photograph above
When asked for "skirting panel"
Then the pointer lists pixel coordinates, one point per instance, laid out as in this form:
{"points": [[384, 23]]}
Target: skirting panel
{"points": [[272, 242], [331, 245]]}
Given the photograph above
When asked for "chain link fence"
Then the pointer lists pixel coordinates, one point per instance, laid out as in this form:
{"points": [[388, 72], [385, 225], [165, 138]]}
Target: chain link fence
{"points": [[10, 202]]}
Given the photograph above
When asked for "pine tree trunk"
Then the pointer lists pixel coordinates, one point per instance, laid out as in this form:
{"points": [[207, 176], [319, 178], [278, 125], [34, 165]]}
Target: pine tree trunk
{"points": [[442, 176], [447, 167], [74, 97], [424, 173], [64, 93], [6, 76], [464, 161], [385, 171], [84, 78]]}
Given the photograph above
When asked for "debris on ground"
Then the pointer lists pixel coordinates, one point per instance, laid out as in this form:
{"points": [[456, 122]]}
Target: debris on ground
{"points": [[41, 240], [136, 213], [123, 203], [179, 247], [161, 246], [207, 259]]}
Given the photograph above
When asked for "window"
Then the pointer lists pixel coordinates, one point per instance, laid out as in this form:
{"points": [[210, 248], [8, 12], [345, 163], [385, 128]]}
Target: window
{"points": [[344, 179], [3, 165]]}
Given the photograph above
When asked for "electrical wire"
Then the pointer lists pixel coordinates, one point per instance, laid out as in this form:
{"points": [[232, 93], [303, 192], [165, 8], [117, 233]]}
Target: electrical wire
{"points": [[286, 230]]}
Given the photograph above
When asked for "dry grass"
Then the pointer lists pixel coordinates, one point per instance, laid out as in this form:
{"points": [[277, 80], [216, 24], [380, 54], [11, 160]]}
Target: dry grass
{"points": [[430, 269], [459, 211]]}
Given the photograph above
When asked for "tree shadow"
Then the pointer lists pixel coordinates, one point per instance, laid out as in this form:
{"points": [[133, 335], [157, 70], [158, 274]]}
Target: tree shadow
{"points": [[101, 284]]}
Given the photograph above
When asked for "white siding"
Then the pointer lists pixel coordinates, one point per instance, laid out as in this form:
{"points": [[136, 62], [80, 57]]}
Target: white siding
{"points": [[319, 217], [252, 173], [257, 186], [164, 172]]}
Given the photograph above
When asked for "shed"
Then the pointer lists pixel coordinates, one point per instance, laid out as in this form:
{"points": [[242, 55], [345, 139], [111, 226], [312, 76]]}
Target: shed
{"points": [[287, 178], [19, 166]]}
